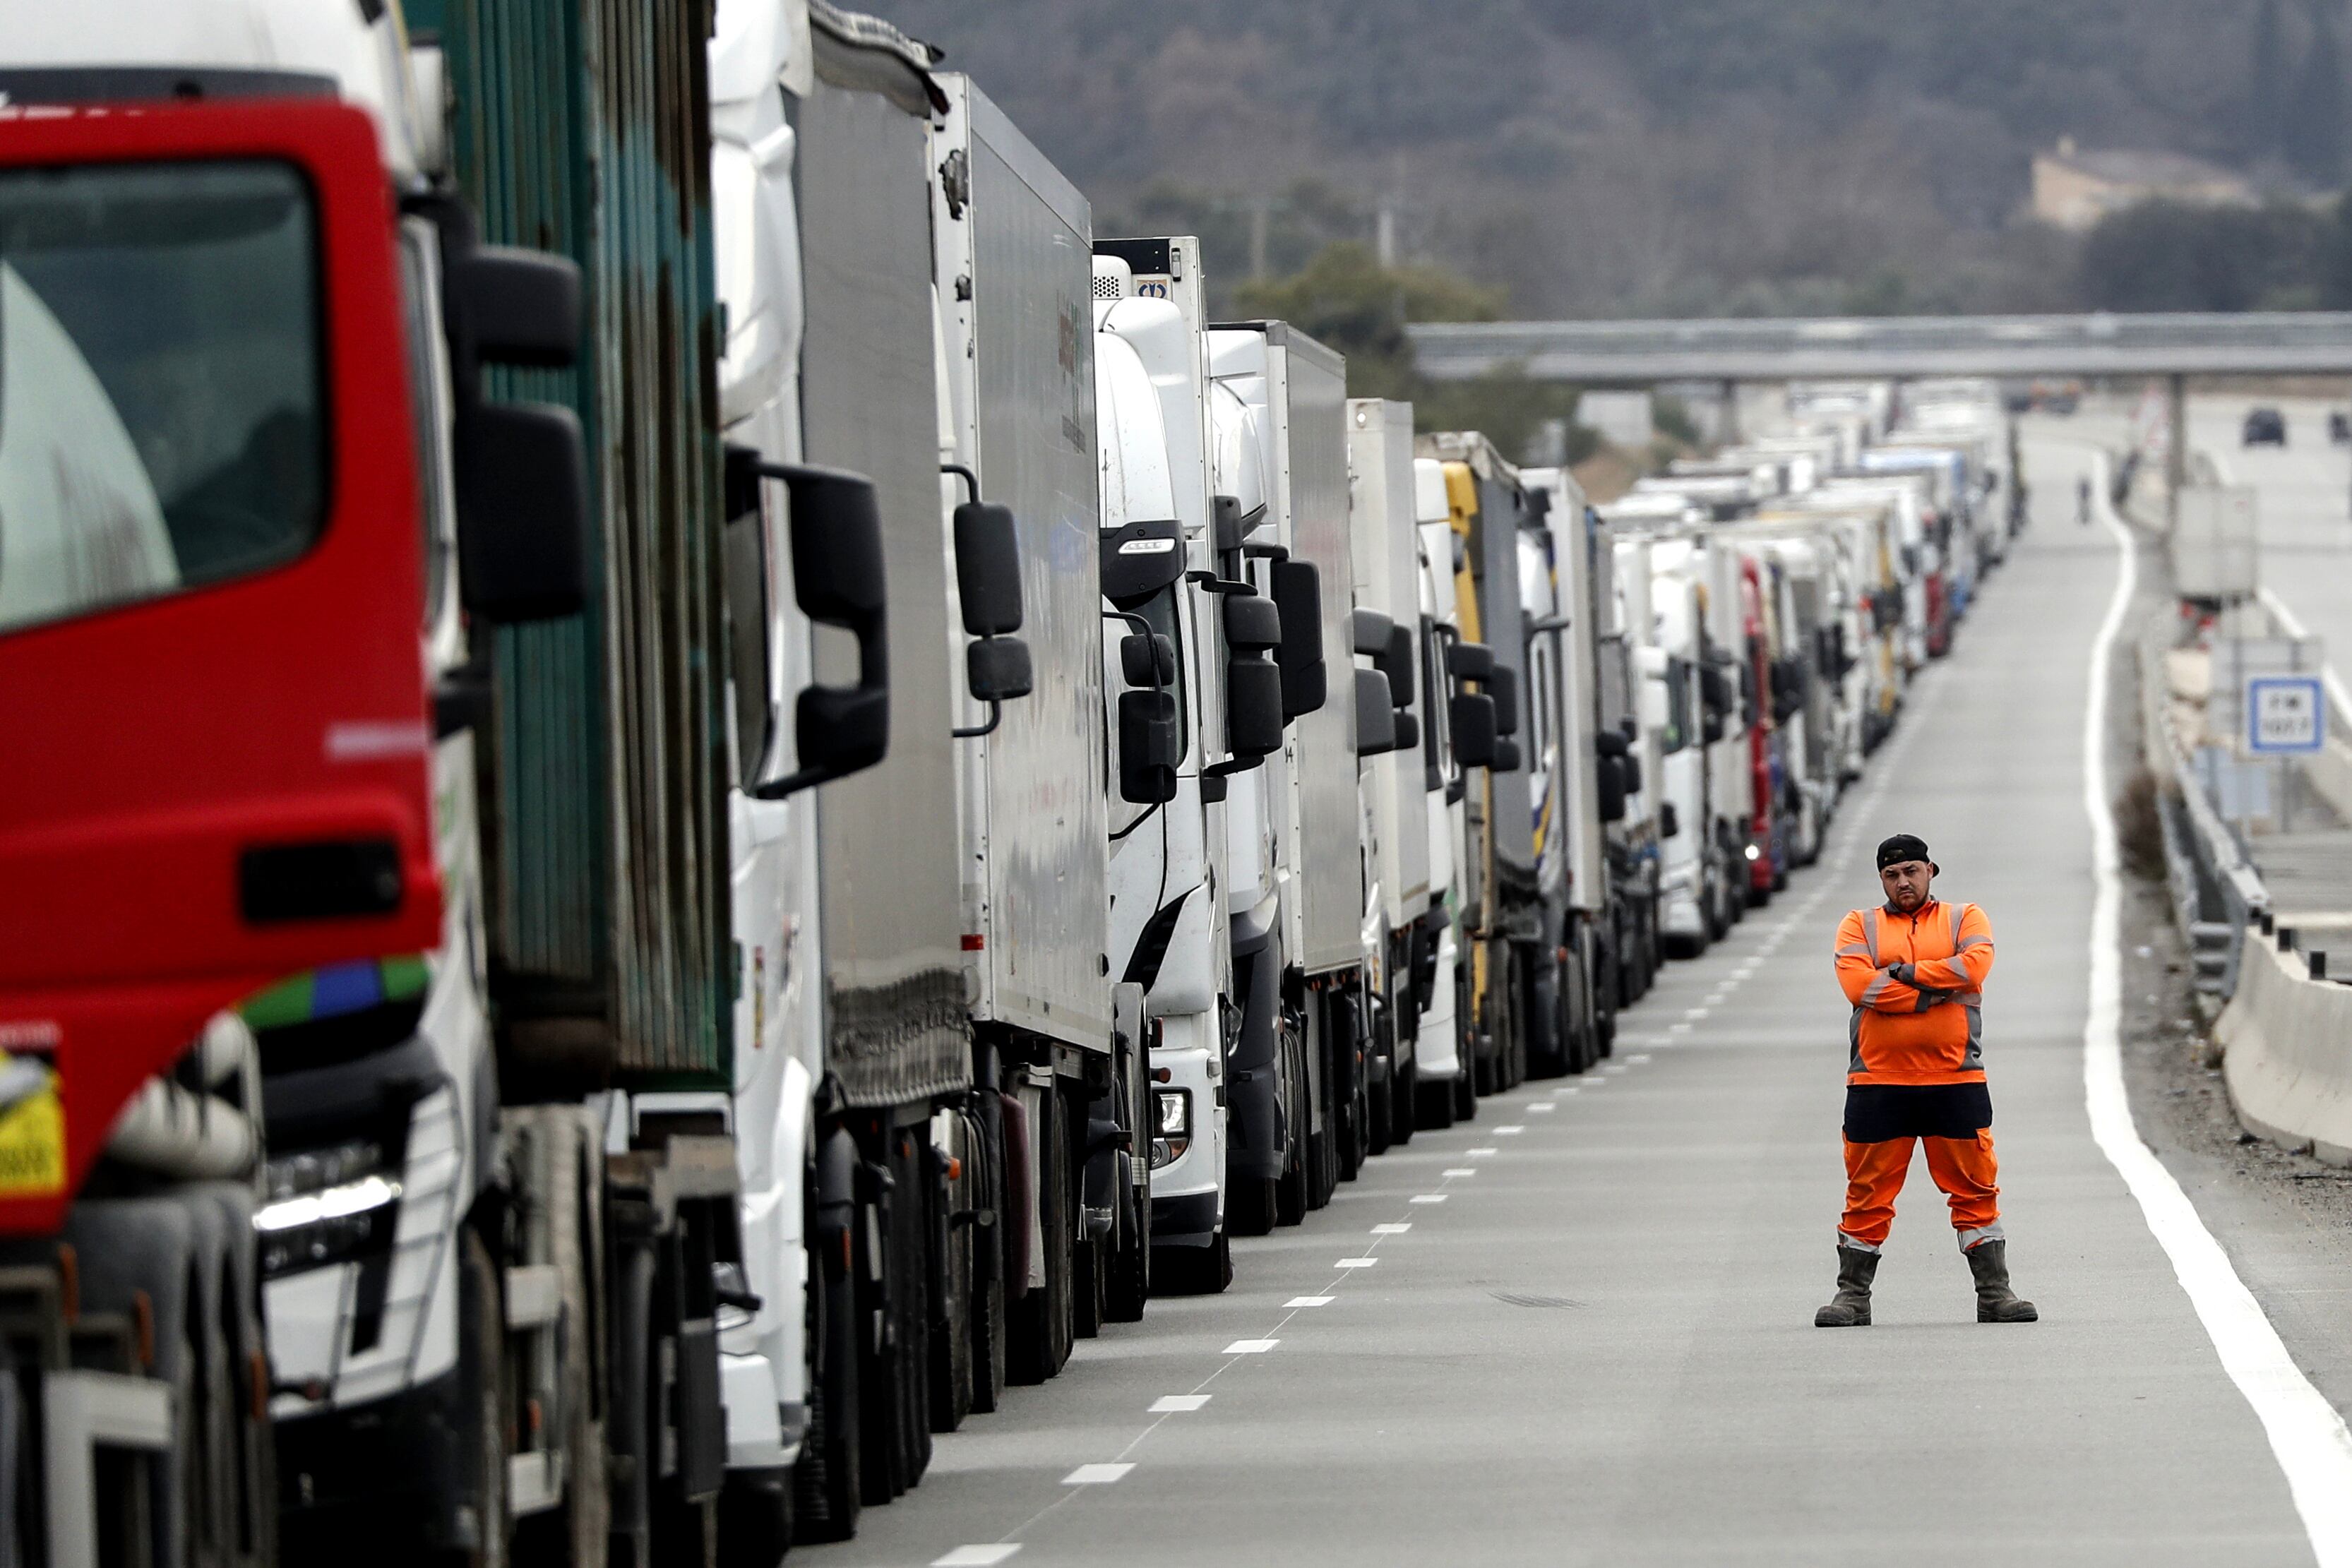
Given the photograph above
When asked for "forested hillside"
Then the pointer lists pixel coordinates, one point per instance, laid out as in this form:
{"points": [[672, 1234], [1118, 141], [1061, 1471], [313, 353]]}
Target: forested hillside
{"points": [[1635, 156]]}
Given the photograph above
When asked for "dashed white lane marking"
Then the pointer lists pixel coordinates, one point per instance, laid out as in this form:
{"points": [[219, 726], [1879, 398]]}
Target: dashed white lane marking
{"points": [[1355, 1263], [1614, 1068], [1635, 1061], [1478, 1154], [1096, 1475], [2307, 1434], [1429, 1197], [1697, 1012], [1309, 1300], [978, 1557], [1251, 1347], [1678, 1029], [1177, 1403], [1461, 1171], [1540, 1109], [1511, 1131], [1398, 1228]]}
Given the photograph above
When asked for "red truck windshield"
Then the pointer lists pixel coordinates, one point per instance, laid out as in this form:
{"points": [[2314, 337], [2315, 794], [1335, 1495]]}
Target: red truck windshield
{"points": [[161, 410]]}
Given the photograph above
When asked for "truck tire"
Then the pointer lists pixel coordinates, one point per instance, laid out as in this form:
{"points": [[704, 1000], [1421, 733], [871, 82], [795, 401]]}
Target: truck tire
{"points": [[1193, 1270], [1433, 1104], [1379, 1107], [1249, 1207], [481, 1340], [1130, 1272], [914, 1233], [574, 1529], [1038, 1319], [1294, 1191], [1405, 1094], [827, 1487], [755, 1519], [991, 1267]]}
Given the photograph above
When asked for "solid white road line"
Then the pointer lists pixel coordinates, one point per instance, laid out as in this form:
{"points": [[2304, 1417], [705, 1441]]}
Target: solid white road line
{"points": [[1177, 1403], [2306, 1432]]}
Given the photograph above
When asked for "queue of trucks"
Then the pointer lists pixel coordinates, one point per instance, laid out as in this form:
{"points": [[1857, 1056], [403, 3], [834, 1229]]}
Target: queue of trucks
{"points": [[695, 779]]}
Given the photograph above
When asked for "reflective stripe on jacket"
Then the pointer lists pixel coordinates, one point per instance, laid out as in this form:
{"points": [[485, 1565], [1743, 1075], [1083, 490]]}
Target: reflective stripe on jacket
{"points": [[1917, 983]]}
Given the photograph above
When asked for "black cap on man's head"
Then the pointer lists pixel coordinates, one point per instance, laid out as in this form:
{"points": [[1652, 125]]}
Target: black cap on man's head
{"points": [[1903, 847]]}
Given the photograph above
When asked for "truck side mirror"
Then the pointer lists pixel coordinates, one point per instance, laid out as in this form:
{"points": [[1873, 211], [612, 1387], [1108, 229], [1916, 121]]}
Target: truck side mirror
{"points": [[1251, 625], [1670, 824], [1629, 765], [1609, 742], [523, 511], [1471, 716], [1408, 728], [1506, 757], [1254, 718], [1148, 748], [988, 568], [1299, 596], [1611, 794], [1503, 684], [516, 306], [1396, 663], [997, 669], [1370, 630], [838, 579], [1376, 731], [1147, 659], [1469, 660]]}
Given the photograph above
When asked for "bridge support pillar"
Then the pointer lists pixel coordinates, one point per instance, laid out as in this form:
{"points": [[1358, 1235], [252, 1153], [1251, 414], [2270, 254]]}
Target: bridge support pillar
{"points": [[1731, 412], [2176, 453]]}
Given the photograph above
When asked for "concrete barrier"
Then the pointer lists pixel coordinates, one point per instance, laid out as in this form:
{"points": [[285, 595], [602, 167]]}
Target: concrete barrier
{"points": [[2286, 1052]]}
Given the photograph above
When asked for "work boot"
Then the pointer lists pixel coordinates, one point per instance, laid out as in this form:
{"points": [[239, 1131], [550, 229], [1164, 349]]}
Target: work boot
{"points": [[1996, 1303], [1850, 1308]]}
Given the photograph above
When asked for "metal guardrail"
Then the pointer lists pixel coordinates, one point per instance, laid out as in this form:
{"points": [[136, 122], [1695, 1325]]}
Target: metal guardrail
{"points": [[2216, 892], [1643, 353]]}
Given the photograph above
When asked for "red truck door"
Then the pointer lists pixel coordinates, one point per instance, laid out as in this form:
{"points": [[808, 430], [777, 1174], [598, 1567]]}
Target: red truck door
{"points": [[214, 729]]}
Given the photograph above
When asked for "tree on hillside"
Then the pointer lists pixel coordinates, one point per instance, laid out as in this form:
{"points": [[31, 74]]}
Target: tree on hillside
{"points": [[2264, 126], [2166, 256], [2314, 122]]}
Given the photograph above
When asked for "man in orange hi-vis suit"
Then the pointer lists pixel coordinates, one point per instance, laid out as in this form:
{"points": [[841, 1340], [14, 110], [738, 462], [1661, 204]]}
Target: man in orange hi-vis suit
{"points": [[1915, 970]]}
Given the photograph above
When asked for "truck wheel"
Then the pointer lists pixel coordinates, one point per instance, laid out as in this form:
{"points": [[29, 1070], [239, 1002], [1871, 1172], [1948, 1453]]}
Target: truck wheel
{"points": [[1404, 1092], [1089, 1285], [1380, 1089], [574, 1529], [481, 1338], [1038, 1322], [827, 1487], [989, 1263], [755, 1519], [1294, 1192], [1250, 1208], [1433, 1104], [1194, 1270], [1131, 1273]]}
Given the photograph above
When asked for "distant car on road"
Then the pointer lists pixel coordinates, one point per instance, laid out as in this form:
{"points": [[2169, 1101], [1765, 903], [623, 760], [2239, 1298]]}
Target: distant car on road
{"points": [[2339, 427], [2265, 426]]}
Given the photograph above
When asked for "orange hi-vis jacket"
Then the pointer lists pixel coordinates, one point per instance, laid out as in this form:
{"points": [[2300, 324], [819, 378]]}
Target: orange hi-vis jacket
{"points": [[1917, 983]]}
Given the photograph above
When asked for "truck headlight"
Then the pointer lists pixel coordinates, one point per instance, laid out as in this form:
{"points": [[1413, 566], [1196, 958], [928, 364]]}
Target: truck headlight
{"points": [[1753, 853], [326, 1206], [1172, 1135]]}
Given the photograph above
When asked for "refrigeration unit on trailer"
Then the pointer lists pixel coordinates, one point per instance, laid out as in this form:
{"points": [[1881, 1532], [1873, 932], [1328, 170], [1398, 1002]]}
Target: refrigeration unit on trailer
{"points": [[1297, 899], [1400, 914]]}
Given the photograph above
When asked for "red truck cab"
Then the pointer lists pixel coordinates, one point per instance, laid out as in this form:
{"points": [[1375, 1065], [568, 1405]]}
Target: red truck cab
{"points": [[211, 596]]}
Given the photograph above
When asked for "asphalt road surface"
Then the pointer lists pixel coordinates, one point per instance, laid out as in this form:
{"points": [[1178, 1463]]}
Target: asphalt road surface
{"points": [[1580, 1329]]}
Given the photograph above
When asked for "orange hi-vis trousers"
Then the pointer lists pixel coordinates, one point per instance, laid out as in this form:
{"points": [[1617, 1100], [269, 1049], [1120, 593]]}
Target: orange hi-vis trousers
{"points": [[1963, 1167]]}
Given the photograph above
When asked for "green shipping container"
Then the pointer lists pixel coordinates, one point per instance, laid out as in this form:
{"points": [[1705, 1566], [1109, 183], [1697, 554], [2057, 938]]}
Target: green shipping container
{"points": [[582, 126]]}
